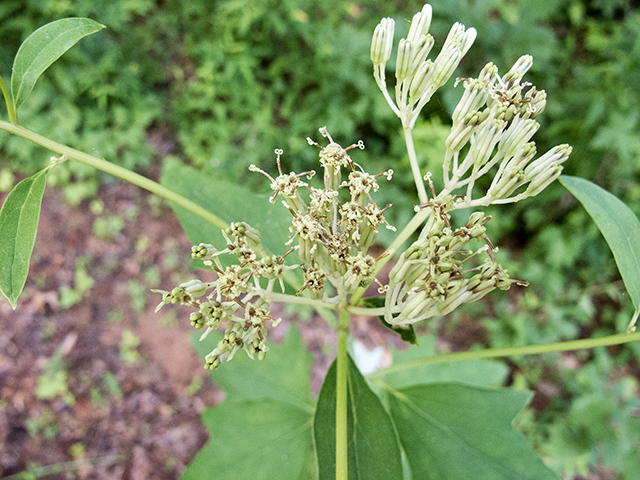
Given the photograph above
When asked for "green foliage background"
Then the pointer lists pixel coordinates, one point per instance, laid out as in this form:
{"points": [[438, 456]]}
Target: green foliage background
{"points": [[220, 85]]}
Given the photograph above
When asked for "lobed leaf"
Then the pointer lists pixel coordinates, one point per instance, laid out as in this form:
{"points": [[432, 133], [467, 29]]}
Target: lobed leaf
{"points": [[258, 439], [19, 218], [619, 226], [42, 48], [373, 447], [451, 431]]}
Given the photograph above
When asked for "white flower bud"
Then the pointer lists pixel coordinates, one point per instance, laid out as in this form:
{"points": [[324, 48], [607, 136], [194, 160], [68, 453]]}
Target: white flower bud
{"points": [[519, 133], [489, 73], [382, 41], [522, 66], [533, 104], [542, 180], [403, 62], [476, 93], [421, 80], [417, 303], [468, 39], [445, 65], [461, 132], [506, 185], [421, 49], [523, 156], [453, 301], [557, 154], [484, 143], [420, 24]]}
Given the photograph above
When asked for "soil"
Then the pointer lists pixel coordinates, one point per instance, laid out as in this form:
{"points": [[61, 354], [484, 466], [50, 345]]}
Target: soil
{"points": [[131, 413]]}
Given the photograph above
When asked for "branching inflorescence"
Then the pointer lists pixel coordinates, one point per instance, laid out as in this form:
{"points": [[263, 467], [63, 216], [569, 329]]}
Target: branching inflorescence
{"points": [[334, 226]]}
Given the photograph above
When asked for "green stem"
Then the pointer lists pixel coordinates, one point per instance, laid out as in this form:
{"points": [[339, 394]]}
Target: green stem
{"points": [[341, 399], [513, 351], [415, 168], [115, 170], [11, 111]]}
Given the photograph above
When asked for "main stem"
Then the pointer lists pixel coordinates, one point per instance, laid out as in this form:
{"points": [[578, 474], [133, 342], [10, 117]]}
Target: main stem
{"points": [[341, 398], [115, 170]]}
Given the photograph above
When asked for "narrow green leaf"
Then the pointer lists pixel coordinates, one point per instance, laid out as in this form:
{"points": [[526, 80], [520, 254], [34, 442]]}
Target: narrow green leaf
{"points": [[260, 439], [619, 226], [283, 374], [451, 431], [230, 202], [42, 48], [373, 447], [406, 332], [18, 227]]}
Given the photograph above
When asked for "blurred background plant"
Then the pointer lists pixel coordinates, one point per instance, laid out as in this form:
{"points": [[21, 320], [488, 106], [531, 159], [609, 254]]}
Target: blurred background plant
{"points": [[220, 84]]}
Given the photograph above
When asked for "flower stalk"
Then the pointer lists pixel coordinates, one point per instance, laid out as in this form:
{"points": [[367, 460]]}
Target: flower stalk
{"points": [[120, 172]]}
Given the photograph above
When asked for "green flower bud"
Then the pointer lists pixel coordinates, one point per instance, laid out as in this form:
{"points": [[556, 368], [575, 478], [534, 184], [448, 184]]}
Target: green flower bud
{"points": [[197, 320]]}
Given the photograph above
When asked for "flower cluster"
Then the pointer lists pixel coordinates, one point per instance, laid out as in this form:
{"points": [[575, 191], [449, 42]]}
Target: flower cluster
{"points": [[491, 132], [334, 226], [417, 77], [429, 278], [332, 239], [237, 297], [495, 118], [333, 236]]}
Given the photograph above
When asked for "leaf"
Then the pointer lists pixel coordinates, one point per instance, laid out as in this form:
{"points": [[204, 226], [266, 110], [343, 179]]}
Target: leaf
{"points": [[451, 431], [406, 332], [619, 226], [42, 48], [373, 448], [283, 374], [18, 227], [259, 439], [230, 202]]}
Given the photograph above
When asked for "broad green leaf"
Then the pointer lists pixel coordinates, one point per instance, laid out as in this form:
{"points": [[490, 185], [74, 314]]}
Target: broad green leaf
{"points": [[230, 202], [261, 439], [42, 48], [18, 227], [406, 332], [373, 447], [282, 375], [479, 372], [619, 226], [451, 431]]}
